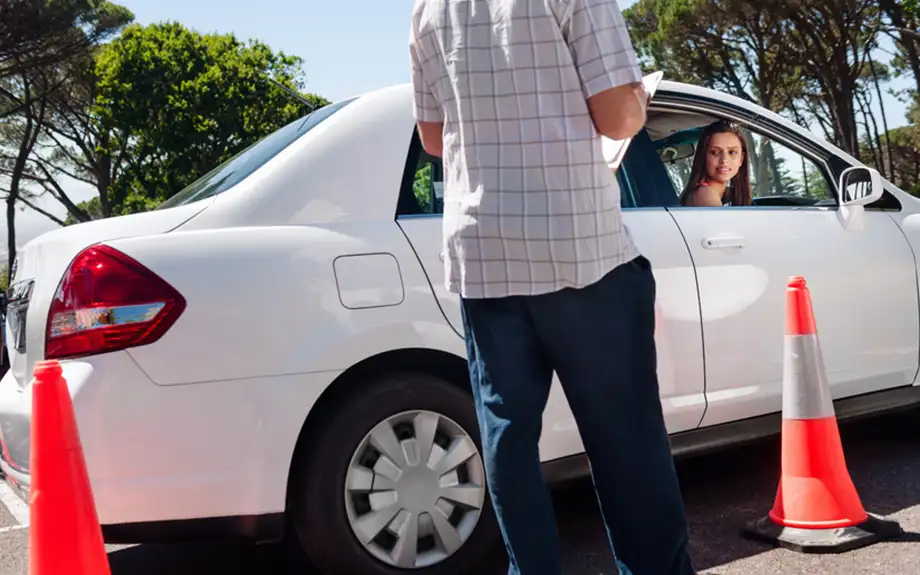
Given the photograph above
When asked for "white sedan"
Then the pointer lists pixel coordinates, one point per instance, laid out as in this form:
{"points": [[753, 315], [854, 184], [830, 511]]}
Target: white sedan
{"points": [[275, 345]]}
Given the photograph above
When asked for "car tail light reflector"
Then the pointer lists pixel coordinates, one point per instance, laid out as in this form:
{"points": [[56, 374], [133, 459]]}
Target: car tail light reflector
{"points": [[107, 301]]}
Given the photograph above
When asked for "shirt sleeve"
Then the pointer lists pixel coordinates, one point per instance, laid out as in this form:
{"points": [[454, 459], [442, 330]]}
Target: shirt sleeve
{"points": [[600, 45], [425, 106]]}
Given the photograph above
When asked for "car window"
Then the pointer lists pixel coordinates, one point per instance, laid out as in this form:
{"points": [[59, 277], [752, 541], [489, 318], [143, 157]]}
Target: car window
{"points": [[780, 176], [240, 166], [784, 175], [423, 194], [428, 185]]}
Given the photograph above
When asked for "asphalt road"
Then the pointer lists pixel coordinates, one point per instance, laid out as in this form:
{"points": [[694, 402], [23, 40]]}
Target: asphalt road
{"points": [[722, 491]]}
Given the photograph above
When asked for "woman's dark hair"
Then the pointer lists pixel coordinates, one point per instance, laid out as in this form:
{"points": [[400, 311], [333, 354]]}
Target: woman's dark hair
{"points": [[740, 186]]}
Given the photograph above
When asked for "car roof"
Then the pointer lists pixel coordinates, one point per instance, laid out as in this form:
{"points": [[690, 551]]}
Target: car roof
{"points": [[683, 88]]}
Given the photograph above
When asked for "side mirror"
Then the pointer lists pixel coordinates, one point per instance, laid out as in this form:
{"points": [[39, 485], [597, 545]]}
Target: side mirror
{"points": [[859, 186]]}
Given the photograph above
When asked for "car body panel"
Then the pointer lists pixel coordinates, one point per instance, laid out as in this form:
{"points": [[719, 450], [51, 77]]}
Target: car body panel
{"points": [[868, 338], [45, 258], [678, 335], [908, 220], [255, 321], [347, 169], [155, 453]]}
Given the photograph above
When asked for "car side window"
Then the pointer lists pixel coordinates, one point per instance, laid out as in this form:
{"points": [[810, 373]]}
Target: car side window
{"points": [[428, 185], [779, 175], [422, 188], [423, 193]]}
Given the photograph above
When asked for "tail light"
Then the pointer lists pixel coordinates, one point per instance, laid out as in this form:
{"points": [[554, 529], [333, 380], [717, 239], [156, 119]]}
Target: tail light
{"points": [[107, 301]]}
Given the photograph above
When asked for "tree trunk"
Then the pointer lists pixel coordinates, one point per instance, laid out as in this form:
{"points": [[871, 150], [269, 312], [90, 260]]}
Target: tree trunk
{"points": [[774, 166], [886, 152], [104, 175], [872, 139], [10, 236], [19, 166], [846, 119]]}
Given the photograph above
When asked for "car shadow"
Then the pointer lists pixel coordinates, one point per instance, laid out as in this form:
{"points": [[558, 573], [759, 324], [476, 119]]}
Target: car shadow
{"points": [[725, 490], [196, 558], [722, 491]]}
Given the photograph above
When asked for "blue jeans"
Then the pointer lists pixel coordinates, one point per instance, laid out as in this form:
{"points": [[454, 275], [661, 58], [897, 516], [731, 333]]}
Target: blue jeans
{"points": [[600, 342]]}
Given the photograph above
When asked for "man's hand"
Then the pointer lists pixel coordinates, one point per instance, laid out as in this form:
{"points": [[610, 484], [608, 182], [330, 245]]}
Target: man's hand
{"points": [[431, 135]]}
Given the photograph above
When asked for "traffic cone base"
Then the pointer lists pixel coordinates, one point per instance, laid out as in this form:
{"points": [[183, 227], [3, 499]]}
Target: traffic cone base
{"points": [[841, 540], [817, 508]]}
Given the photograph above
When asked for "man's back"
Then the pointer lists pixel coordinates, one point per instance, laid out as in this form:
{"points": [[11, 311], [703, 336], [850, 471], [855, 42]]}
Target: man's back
{"points": [[513, 94], [530, 206]]}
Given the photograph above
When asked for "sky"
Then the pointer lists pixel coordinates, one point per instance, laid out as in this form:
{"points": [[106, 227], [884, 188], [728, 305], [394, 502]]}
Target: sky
{"points": [[348, 47]]}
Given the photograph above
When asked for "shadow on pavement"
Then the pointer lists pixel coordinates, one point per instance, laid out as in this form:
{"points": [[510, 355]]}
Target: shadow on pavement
{"points": [[724, 490], [223, 558]]}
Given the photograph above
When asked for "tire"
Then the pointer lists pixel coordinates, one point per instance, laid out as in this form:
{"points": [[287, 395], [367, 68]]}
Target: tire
{"points": [[323, 514]]}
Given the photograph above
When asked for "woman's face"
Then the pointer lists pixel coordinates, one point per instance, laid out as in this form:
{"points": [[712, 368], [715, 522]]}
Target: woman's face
{"points": [[724, 157]]}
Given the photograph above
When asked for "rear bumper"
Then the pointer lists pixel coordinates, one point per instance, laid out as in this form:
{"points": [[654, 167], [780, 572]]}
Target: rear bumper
{"points": [[171, 462], [18, 481]]}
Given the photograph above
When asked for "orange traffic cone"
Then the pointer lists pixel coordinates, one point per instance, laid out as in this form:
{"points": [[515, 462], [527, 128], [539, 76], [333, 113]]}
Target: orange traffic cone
{"points": [[817, 508], [64, 533]]}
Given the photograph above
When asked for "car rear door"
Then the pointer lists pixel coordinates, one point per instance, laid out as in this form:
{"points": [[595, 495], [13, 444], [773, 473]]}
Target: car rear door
{"points": [[678, 335]]}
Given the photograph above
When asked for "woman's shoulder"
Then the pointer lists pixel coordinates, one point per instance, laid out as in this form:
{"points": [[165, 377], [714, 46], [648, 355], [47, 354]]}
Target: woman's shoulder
{"points": [[704, 195]]}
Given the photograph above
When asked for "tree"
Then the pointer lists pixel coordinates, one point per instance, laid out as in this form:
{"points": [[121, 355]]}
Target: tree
{"points": [[40, 34], [836, 38], [904, 21], [730, 45], [20, 135], [905, 151], [160, 106], [38, 38]]}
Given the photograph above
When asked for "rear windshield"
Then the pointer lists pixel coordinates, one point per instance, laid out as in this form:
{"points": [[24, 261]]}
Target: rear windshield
{"points": [[240, 166]]}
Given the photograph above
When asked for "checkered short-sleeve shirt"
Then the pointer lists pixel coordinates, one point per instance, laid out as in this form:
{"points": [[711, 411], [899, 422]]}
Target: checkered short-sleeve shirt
{"points": [[530, 205]]}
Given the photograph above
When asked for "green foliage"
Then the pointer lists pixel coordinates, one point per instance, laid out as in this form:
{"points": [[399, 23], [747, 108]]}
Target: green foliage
{"points": [[804, 57], [42, 33], [730, 45], [422, 187], [178, 103]]}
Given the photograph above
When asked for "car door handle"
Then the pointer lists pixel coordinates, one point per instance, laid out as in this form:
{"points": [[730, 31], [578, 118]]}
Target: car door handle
{"points": [[722, 242]]}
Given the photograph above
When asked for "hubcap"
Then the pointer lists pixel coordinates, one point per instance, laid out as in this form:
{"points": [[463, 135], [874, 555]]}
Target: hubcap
{"points": [[415, 488]]}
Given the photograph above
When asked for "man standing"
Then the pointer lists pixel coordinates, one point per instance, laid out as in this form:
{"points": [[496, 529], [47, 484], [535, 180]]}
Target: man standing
{"points": [[513, 94]]}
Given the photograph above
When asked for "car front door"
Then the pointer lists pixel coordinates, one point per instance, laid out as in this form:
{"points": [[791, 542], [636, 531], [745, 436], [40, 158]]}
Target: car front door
{"points": [[862, 281], [680, 351]]}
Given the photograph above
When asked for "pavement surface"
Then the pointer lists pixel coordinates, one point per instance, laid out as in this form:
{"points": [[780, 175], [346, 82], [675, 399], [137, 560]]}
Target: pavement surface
{"points": [[722, 491]]}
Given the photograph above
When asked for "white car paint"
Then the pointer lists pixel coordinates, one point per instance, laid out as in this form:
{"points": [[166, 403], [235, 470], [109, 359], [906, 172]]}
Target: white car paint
{"points": [[300, 272]]}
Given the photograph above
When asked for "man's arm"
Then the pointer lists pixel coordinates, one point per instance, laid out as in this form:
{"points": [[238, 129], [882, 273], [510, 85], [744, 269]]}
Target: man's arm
{"points": [[607, 64], [431, 133], [426, 109]]}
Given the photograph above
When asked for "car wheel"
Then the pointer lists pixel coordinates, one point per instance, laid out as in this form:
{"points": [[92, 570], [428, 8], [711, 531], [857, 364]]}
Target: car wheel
{"points": [[395, 482]]}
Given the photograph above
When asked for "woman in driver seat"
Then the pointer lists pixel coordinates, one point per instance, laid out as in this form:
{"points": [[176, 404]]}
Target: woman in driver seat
{"points": [[720, 175]]}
